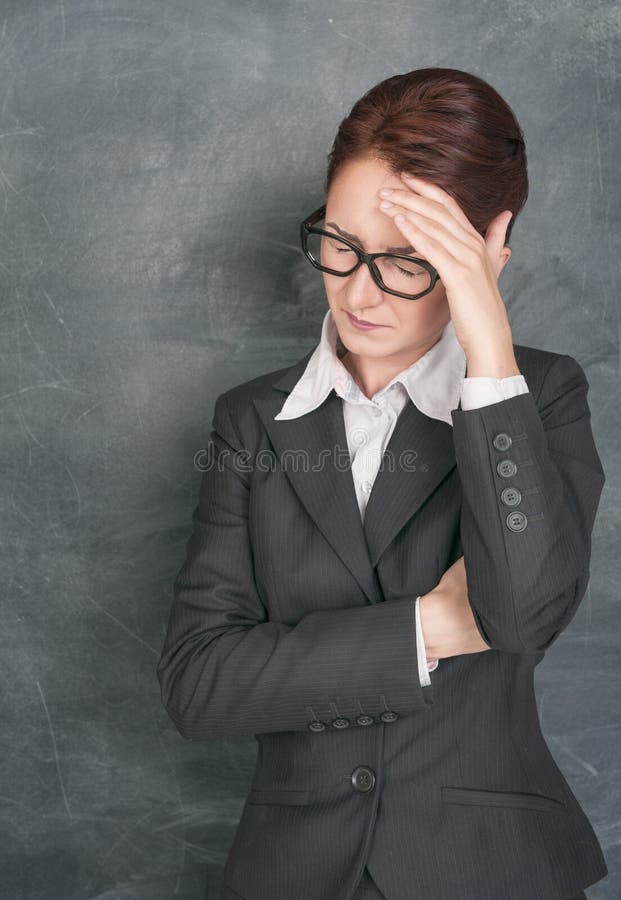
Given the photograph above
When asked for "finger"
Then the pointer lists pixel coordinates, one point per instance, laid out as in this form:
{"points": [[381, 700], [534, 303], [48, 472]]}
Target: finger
{"points": [[435, 192], [431, 248], [438, 212], [440, 247]]}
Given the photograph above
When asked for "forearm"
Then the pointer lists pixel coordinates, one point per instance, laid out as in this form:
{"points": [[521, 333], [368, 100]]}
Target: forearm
{"points": [[230, 681], [528, 509]]}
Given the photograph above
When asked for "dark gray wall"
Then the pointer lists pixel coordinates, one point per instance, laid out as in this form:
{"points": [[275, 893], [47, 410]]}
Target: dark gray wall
{"points": [[155, 161]]}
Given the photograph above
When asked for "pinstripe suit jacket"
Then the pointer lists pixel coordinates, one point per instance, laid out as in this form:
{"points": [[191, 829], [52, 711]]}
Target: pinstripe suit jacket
{"points": [[292, 622]]}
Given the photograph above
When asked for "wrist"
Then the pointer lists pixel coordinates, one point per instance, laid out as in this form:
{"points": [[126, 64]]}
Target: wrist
{"points": [[425, 613], [493, 354], [491, 367]]}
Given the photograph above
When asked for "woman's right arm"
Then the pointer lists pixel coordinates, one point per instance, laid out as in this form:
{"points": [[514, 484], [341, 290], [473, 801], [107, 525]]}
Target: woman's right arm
{"points": [[226, 670]]}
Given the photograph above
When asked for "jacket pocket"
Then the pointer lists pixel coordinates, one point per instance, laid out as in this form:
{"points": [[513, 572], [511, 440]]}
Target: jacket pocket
{"points": [[480, 797], [279, 796]]}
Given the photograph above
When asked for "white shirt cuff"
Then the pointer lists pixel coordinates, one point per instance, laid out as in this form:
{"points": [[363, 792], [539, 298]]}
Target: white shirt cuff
{"points": [[423, 668], [481, 390]]}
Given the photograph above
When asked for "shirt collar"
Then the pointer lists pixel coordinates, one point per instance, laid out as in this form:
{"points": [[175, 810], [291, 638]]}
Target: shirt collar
{"points": [[433, 382]]}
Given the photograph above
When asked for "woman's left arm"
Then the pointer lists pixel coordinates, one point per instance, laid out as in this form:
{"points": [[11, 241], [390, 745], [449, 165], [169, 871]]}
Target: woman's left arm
{"points": [[527, 563]]}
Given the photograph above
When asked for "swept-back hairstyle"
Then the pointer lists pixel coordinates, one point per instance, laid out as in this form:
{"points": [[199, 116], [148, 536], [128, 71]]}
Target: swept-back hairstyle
{"points": [[447, 126]]}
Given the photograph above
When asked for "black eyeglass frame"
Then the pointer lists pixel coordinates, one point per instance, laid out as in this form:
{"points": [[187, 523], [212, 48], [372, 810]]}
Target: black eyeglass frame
{"points": [[307, 227]]}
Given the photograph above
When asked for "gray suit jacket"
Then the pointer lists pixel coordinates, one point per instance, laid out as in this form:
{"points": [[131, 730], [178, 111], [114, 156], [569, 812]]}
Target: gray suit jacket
{"points": [[294, 622]]}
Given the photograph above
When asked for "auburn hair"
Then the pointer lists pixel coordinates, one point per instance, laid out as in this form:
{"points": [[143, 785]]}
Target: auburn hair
{"points": [[447, 126]]}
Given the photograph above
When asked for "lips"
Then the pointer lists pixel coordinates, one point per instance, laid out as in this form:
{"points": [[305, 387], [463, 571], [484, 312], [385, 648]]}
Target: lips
{"points": [[363, 321]]}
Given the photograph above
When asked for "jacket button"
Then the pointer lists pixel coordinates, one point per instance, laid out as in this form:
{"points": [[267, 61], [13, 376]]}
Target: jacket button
{"points": [[363, 779], [365, 720], [502, 441], [316, 725], [506, 468], [511, 496], [388, 716], [341, 722], [517, 521]]}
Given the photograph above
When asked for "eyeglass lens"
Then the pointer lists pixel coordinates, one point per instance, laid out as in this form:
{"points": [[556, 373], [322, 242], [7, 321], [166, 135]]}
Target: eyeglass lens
{"points": [[402, 275]]}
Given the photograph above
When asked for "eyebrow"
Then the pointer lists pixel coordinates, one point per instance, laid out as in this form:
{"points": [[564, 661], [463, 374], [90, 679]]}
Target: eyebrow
{"points": [[356, 240]]}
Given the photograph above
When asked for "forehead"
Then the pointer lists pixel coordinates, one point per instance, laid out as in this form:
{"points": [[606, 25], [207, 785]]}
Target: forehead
{"points": [[365, 172], [352, 207]]}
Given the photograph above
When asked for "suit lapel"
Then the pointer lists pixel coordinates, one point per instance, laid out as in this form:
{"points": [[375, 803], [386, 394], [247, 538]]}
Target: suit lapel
{"points": [[419, 455]]}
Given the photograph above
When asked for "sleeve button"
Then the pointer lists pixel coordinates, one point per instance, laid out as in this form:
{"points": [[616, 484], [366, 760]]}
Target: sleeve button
{"points": [[389, 716], [516, 521], [365, 720], [340, 722], [502, 441], [316, 725], [506, 468], [511, 496]]}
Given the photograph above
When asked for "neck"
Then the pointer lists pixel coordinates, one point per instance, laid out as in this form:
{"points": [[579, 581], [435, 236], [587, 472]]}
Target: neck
{"points": [[371, 374]]}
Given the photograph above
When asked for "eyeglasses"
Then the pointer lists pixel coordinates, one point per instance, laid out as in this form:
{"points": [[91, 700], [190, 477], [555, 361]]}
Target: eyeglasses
{"points": [[392, 272]]}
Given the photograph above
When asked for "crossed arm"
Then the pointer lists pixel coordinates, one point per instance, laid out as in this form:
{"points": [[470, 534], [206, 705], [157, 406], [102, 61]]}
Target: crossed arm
{"points": [[449, 626], [225, 670]]}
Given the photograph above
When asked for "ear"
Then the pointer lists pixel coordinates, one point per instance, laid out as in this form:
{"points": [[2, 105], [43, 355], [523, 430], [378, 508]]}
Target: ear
{"points": [[503, 258], [495, 235]]}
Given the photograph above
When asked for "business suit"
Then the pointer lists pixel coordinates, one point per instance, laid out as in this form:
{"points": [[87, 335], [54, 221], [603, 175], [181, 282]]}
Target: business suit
{"points": [[292, 621]]}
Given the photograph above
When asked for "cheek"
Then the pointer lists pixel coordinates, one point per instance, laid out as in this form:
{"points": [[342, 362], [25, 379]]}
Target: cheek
{"points": [[332, 283], [427, 315], [437, 309], [426, 311]]}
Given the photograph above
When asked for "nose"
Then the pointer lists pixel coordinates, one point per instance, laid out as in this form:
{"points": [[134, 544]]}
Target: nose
{"points": [[362, 291]]}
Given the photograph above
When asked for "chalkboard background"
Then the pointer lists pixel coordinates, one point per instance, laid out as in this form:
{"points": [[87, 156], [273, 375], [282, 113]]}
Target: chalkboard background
{"points": [[155, 161]]}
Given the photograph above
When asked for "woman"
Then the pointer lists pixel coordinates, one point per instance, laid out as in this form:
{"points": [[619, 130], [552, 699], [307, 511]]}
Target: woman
{"points": [[389, 535]]}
